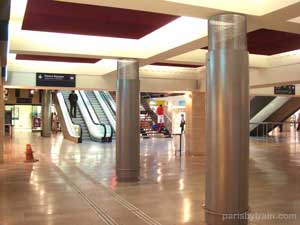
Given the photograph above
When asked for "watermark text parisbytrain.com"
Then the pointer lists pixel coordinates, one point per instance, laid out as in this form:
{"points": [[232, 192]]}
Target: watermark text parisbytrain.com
{"points": [[259, 216]]}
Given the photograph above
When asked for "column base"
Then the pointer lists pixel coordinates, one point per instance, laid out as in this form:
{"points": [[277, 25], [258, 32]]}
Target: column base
{"points": [[215, 218], [195, 154], [46, 135], [127, 175]]}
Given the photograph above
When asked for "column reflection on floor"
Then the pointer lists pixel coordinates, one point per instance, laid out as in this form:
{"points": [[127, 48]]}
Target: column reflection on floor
{"points": [[170, 191]]}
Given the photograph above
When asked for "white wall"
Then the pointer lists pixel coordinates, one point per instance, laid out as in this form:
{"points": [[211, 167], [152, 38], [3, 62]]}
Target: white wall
{"points": [[27, 80], [25, 117]]}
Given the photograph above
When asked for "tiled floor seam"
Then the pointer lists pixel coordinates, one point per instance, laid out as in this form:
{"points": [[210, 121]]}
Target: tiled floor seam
{"points": [[133, 209], [99, 211], [124, 203]]}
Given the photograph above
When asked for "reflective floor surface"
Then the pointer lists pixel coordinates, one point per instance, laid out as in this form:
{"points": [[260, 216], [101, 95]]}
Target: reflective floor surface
{"points": [[74, 184]]}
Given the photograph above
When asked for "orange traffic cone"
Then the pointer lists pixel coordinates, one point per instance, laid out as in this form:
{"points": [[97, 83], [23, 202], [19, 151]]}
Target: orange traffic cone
{"points": [[29, 154]]}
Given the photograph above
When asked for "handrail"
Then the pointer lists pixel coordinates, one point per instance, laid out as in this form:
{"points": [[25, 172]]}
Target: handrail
{"points": [[67, 118], [92, 118], [84, 102], [110, 101], [111, 118], [113, 113], [167, 117]]}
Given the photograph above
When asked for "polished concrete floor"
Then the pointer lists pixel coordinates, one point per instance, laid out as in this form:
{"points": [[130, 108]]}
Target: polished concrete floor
{"points": [[75, 184]]}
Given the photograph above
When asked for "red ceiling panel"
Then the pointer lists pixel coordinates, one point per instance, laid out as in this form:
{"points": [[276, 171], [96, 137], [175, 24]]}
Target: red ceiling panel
{"points": [[177, 65], [271, 42], [56, 58], [64, 17]]}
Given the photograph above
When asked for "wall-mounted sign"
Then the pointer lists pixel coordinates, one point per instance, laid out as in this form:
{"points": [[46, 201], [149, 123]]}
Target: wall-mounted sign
{"points": [[285, 90], [181, 103], [55, 80]]}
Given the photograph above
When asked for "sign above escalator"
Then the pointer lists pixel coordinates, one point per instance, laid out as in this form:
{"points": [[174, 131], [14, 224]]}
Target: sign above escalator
{"points": [[285, 90], [55, 80]]}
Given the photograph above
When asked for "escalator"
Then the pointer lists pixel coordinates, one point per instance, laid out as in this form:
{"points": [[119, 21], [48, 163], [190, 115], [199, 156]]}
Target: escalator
{"points": [[70, 130], [79, 118], [87, 119], [290, 106], [110, 100], [97, 107], [104, 107], [265, 113], [257, 103]]}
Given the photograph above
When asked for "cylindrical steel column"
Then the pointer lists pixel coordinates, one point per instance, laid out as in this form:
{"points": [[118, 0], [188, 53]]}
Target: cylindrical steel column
{"points": [[46, 113], [227, 121], [2, 115], [128, 127], [4, 18]]}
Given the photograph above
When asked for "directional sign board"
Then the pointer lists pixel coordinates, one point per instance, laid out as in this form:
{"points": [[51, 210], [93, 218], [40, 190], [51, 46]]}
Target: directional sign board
{"points": [[55, 80], [285, 90]]}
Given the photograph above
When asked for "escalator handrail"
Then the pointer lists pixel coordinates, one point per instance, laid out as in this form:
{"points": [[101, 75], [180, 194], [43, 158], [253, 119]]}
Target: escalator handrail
{"points": [[63, 99], [92, 119], [98, 95], [109, 101]]}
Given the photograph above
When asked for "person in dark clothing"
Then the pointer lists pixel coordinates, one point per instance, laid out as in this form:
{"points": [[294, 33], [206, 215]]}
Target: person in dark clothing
{"points": [[182, 123], [73, 103]]}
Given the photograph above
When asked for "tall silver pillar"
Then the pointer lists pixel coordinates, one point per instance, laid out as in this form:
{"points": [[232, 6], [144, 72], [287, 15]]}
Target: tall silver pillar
{"points": [[2, 115], [46, 113], [227, 121], [4, 18], [128, 127]]}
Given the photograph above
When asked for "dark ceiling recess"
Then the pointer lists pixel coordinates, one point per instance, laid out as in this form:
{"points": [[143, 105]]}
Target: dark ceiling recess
{"points": [[72, 18], [177, 65], [271, 42], [56, 58]]}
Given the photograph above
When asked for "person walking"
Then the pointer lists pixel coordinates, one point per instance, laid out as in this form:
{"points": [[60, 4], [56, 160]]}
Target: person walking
{"points": [[182, 123], [160, 117], [73, 98]]}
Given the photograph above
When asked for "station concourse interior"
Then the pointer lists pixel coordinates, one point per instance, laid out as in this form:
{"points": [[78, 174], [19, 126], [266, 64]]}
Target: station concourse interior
{"points": [[166, 112]]}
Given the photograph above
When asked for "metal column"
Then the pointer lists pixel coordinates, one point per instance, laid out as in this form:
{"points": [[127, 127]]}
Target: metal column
{"points": [[227, 121], [4, 18], [46, 113], [128, 128], [2, 115]]}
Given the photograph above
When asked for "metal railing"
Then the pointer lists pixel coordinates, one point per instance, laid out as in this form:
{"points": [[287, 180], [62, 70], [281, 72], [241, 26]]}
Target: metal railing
{"points": [[265, 130]]}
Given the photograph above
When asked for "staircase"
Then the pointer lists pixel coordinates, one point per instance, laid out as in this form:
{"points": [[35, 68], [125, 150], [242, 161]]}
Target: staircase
{"points": [[79, 119], [148, 109], [151, 116], [98, 108]]}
